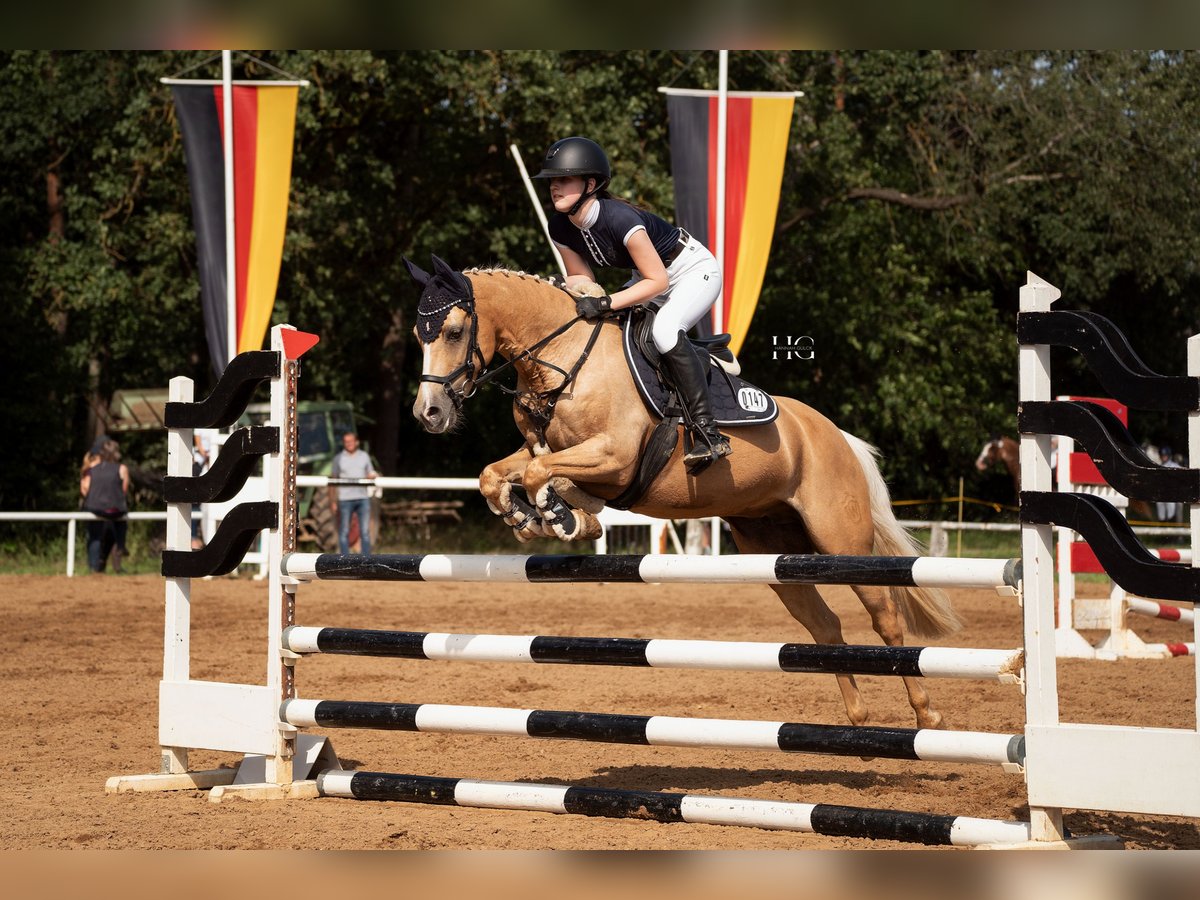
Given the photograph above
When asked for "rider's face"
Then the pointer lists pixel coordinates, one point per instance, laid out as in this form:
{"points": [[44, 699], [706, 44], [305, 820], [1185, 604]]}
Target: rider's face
{"points": [[566, 191]]}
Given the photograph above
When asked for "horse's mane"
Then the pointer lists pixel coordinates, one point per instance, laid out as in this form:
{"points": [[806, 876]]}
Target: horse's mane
{"points": [[507, 273]]}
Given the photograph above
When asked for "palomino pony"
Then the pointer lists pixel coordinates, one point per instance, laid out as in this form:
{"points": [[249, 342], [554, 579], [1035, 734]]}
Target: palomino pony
{"points": [[797, 485]]}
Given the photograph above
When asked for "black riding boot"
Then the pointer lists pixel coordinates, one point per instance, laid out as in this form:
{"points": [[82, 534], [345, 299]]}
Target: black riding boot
{"points": [[687, 370]]}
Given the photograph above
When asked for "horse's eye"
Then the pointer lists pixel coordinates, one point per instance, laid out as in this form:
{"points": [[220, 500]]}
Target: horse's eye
{"points": [[454, 334]]}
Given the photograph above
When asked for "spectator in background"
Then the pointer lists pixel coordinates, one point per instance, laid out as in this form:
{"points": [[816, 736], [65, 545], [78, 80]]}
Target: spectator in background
{"points": [[1167, 511], [93, 455], [104, 487], [352, 462]]}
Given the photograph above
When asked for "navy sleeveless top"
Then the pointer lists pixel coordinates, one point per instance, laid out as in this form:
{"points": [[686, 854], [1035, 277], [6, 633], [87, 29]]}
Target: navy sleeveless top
{"points": [[603, 244]]}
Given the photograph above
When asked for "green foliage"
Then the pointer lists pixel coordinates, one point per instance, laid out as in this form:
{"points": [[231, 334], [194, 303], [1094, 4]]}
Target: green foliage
{"points": [[918, 189]]}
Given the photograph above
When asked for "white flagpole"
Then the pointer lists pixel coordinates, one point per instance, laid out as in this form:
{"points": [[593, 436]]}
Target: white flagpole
{"points": [[718, 309], [537, 208], [230, 236]]}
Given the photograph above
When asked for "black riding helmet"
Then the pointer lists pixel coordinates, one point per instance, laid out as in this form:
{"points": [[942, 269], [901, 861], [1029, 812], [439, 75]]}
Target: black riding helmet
{"points": [[577, 156]]}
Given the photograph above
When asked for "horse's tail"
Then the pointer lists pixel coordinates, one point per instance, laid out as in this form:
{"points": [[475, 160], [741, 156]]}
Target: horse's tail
{"points": [[927, 611]]}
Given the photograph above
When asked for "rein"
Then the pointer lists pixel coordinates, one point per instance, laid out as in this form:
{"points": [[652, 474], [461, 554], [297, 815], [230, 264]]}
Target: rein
{"points": [[543, 412]]}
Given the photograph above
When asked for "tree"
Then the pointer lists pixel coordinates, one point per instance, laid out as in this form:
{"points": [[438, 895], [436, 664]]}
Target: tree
{"points": [[918, 189]]}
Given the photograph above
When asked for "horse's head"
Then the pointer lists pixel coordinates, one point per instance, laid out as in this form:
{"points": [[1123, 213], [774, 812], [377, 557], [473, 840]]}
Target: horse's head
{"points": [[989, 454], [1004, 451], [448, 330]]}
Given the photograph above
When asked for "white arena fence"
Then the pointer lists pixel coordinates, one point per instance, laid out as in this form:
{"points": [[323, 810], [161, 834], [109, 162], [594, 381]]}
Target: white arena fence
{"points": [[660, 533]]}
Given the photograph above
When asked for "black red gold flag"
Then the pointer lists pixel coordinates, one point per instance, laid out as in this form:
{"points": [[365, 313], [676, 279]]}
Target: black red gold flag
{"points": [[264, 119], [756, 135]]}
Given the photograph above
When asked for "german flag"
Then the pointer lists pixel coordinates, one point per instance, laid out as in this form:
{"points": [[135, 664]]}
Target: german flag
{"points": [[264, 121], [756, 134]]}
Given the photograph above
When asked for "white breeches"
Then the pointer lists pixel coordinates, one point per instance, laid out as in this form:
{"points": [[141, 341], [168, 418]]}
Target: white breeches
{"points": [[694, 283]]}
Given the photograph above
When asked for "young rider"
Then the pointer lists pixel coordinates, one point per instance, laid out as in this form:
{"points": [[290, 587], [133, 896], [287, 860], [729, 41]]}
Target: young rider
{"points": [[670, 268]]}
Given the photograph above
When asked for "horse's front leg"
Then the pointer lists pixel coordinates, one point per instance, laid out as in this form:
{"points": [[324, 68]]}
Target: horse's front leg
{"points": [[595, 461], [496, 484]]}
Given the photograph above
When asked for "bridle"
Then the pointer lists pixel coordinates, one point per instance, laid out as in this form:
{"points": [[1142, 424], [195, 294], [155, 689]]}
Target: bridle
{"points": [[471, 382], [538, 404]]}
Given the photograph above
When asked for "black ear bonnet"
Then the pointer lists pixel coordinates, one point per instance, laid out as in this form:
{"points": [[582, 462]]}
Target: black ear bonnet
{"points": [[443, 290]]}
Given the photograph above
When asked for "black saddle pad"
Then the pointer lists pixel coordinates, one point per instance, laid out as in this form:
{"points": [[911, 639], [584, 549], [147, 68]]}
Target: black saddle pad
{"points": [[735, 401]]}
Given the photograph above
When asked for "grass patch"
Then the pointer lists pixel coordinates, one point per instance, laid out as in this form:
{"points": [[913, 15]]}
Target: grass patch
{"points": [[977, 544], [40, 548]]}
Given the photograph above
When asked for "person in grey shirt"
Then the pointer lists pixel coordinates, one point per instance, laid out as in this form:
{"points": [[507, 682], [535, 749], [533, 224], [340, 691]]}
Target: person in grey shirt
{"points": [[352, 462]]}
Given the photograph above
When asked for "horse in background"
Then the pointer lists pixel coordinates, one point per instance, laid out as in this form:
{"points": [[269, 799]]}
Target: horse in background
{"points": [[1003, 450]]}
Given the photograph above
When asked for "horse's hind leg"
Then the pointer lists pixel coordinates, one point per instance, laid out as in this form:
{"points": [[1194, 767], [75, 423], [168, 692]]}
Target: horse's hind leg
{"points": [[834, 537], [886, 621], [803, 601], [841, 535], [808, 608]]}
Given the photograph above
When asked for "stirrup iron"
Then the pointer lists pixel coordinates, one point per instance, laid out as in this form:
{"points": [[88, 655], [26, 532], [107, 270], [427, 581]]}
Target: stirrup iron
{"points": [[699, 454]]}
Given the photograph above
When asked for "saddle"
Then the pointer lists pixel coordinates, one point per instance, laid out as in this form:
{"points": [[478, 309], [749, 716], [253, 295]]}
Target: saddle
{"points": [[735, 402]]}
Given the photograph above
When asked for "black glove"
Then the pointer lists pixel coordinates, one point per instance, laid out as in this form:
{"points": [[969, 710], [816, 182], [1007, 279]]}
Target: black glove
{"points": [[593, 307]]}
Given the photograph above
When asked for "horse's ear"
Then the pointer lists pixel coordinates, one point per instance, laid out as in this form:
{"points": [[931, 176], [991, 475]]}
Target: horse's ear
{"points": [[419, 275], [444, 269]]}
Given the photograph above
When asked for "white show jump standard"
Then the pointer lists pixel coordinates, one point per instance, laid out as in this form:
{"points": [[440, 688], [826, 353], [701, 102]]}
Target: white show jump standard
{"points": [[819, 818], [933, 572], [931, 745], [1003, 666]]}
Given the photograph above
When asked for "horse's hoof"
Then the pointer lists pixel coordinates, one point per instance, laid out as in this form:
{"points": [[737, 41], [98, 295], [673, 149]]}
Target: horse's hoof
{"points": [[520, 514], [522, 522], [562, 533], [931, 720], [555, 513], [503, 507]]}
